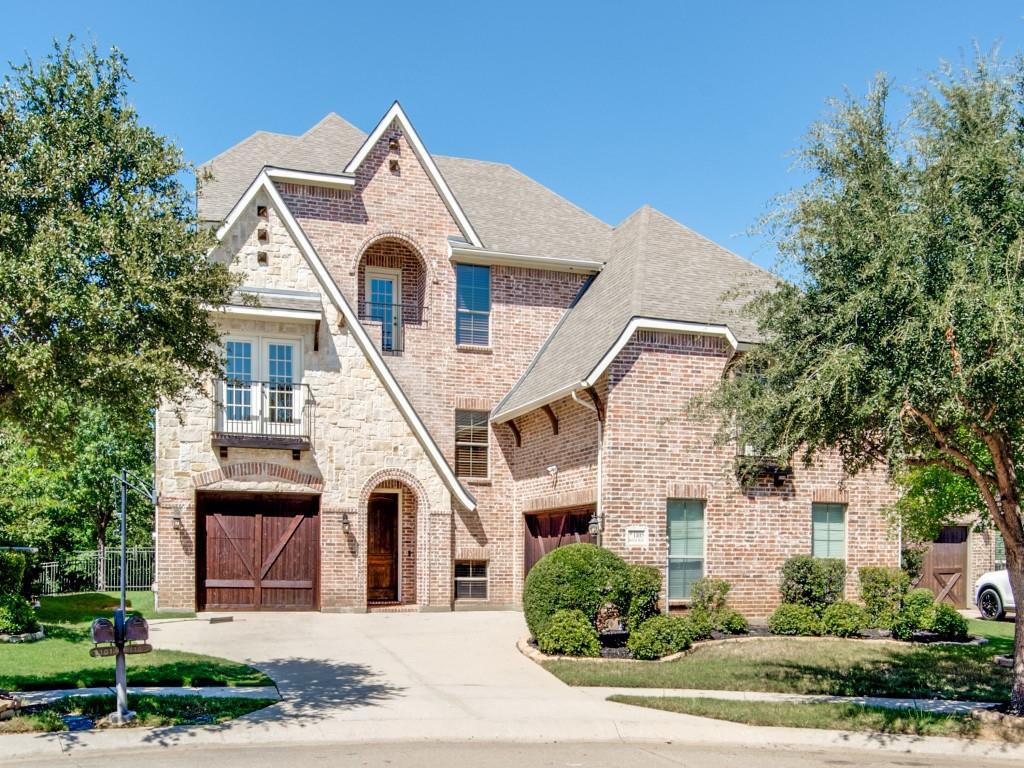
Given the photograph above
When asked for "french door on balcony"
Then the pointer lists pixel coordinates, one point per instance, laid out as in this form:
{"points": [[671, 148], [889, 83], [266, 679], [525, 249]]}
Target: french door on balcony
{"points": [[383, 305], [260, 392]]}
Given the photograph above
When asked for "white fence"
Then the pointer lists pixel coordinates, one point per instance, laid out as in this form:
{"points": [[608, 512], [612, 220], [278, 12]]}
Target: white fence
{"points": [[89, 572]]}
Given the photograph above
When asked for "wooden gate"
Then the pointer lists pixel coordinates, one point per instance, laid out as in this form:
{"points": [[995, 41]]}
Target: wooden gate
{"points": [[944, 570], [550, 530], [258, 552]]}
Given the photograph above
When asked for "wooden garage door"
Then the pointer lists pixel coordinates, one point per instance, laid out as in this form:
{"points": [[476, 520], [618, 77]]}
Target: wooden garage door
{"points": [[551, 530], [944, 570], [258, 552]]}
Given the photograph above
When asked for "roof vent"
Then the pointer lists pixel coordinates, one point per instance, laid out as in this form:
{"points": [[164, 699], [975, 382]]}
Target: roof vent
{"points": [[262, 235], [262, 259], [261, 211], [393, 165], [393, 143]]}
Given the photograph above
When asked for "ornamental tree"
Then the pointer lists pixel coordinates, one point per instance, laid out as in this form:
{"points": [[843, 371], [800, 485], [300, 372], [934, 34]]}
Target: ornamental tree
{"points": [[104, 281], [900, 338]]}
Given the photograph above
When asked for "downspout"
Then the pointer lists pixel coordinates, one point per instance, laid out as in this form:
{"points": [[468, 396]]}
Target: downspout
{"points": [[599, 514]]}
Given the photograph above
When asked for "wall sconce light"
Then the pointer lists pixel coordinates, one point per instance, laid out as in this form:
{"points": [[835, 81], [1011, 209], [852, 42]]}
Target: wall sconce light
{"points": [[176, 518], [553, 470], [346, 526], [594, 526]]}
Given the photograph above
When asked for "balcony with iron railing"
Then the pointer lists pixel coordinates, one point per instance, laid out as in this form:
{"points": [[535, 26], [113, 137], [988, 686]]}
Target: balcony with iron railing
{"points": [[389, 324], [264, 414]]}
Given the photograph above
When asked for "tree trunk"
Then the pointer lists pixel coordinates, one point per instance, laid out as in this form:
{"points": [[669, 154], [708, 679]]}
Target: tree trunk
{"points": [[1015, 568]]}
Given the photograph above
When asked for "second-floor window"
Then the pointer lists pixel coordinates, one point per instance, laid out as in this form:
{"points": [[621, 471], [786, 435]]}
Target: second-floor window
{"points": [[471, 443], [259, 379], [472, 305]]}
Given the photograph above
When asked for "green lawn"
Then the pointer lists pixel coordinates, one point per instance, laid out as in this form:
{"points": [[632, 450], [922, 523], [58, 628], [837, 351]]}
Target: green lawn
{"points": [[62, 659], [151, 711], [821, 666], [844, 717]]}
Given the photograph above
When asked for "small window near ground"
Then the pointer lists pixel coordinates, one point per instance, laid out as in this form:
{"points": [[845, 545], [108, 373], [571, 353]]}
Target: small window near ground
{"points": [[828, 530], [472, 305], [471, 443], [470, 580], [1000, 553], [685, 546]]}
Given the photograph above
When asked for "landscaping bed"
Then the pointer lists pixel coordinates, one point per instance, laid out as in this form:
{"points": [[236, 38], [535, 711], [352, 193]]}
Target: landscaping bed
{"points": [[61, 659], [79, 713], [835, 716]]}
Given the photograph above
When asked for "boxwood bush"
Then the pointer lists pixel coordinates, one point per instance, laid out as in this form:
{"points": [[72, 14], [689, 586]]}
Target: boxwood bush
{"points": [[844, 619], [16, 615], [644, 591], [659, 636], [710, 607], [947, 623], [812, 581], [731, 622], [569, 633], [791, 619], [883, 591], [577, 576], [915, 614]]}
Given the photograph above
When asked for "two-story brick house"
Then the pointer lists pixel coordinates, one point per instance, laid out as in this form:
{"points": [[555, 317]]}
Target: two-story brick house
{"points": [[437, 369]]}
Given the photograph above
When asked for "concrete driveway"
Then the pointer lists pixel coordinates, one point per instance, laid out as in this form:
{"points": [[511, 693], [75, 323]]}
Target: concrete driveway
{"points": [[404, 675]]}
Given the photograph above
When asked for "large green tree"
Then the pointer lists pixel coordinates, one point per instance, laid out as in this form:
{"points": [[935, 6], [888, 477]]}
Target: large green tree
{"points": [[104, 282], [900, 338]]}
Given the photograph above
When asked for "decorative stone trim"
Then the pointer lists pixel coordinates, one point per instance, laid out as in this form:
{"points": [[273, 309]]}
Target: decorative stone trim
{"points": [[677, 490], [264, 468], [830, 496], [25, 637], [578, 498]]}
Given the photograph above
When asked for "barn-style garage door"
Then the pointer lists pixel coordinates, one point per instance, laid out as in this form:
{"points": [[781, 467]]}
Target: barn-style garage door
{"points": [[258, 552], [550, 530]]}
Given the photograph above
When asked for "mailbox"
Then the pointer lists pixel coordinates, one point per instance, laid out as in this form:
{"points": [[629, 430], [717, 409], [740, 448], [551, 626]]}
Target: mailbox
{"points": [[102, 631], [136, 629]]}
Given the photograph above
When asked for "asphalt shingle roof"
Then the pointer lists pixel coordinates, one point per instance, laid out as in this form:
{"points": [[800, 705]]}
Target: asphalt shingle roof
{"points": [[654, 266]]}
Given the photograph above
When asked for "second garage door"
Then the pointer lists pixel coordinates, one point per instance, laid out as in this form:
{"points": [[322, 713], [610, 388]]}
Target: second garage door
{"points": [[258, 552]]}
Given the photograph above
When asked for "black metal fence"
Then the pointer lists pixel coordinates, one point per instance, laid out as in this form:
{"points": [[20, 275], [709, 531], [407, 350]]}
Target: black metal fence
{"points": [[95, 572]]}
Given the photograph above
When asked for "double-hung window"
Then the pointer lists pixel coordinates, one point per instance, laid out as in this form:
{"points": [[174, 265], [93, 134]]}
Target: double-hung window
{"points": [[685, 546], [472, 304], [828, 530], [470, 580], [471, 443], [238, 373]]}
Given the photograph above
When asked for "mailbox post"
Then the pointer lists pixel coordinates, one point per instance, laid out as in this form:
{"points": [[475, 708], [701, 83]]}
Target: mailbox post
{"points": [[123, 629]]}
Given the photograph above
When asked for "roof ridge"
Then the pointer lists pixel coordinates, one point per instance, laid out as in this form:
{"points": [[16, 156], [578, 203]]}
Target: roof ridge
{"points": [[562, 198], [327, 117], [639, 271], [246, 140], [706, 239]]}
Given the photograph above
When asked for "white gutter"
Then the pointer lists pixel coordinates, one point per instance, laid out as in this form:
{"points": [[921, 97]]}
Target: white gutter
{"points": [[466, 255], [599, 513]]}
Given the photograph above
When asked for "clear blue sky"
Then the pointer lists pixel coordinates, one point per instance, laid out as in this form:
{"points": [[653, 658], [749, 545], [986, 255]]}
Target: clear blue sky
{"points": [[691, 107]]}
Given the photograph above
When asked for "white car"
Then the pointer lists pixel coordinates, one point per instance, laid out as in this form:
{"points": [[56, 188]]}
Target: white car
{"points": [[993, 594]]}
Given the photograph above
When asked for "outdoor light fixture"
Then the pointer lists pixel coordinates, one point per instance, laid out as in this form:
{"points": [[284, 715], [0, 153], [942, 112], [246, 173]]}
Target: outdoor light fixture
{"points": [[176, 518], [346, 526], [553, 470], [594, 526]]}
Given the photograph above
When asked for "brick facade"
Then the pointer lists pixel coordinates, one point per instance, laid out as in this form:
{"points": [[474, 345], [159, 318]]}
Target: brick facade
{"points": [[653, 448]]}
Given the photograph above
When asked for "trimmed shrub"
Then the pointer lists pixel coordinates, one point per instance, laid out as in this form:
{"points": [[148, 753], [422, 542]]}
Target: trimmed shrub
{"points": [[844, 619], [790, 619], [709, 594], [947, 623], [569, 633], [883, 591], [701, 625], [12, 572], [644, 591], [914, 615], [583, 577], [731, 622], [659, 636], [16, 615], [812, 581]]}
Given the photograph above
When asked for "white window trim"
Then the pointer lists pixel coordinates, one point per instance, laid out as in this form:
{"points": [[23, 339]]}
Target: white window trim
{"points": [[490, 312], [486, 579], [485, 479], [260, 369]]}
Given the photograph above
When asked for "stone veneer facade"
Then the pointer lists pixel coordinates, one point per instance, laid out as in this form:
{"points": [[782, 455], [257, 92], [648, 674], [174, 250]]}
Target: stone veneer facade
{"points": [[653, 449]]}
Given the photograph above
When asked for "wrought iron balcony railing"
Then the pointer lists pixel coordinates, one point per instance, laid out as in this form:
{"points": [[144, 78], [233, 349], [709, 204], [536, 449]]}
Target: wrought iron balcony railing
{"points": [[264, 414], [392, 320]]}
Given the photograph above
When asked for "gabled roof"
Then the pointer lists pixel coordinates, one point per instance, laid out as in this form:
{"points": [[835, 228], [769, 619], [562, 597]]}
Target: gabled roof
{"points": [[509, 211], [263, 183], [659, 274]]}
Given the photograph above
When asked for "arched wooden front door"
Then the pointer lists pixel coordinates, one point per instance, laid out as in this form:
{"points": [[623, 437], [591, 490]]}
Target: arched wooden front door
{"points": [[382, 548]]}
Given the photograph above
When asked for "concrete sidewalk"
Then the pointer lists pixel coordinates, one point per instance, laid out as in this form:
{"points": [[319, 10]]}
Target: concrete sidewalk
{"points": [[938, 706], [437, 677], [35, 698]]}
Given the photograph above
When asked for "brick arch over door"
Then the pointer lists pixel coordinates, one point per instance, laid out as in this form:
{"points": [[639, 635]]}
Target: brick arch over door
{"points": [[383, 478], [393, 571], [396, 252]]}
